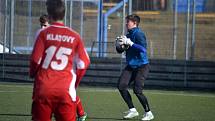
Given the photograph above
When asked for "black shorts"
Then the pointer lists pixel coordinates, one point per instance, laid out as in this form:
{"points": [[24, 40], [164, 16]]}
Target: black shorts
{"points": [[137, 76]]}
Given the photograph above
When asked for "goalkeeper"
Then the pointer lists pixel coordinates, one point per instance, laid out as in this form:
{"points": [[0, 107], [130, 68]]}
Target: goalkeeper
{"points": [[137, 69]]}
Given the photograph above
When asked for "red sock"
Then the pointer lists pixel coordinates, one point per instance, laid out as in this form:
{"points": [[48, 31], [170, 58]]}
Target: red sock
{"points": [[80, 109]]}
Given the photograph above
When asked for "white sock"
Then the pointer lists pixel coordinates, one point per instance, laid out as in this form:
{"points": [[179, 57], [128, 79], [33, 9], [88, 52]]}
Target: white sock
{"points": [[133, 109], [149, 112]]}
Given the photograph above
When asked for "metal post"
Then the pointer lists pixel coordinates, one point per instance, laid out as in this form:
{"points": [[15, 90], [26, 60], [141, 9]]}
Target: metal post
{"points": [[82, 18], [104, 35], [123, 32], [187, 43], [187, 31], [65, 17], [11, 25], [5, 26], [130, 7], [175, 29], [193, 41], [5, 38], [29, 22], [123, 18], [100, 27], [70, 16]]}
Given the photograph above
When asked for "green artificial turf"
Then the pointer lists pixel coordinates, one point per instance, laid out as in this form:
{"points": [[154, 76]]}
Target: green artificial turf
{"points": [[106, 104]]}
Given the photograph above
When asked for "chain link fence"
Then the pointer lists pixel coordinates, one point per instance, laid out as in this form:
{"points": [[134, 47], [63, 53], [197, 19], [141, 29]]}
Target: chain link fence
{"points": [[174, 31], [182, 32], [20, 21]]}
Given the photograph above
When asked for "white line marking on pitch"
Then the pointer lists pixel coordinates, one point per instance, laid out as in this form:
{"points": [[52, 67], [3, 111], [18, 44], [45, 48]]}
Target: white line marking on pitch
{"points": [[184, 93], [180, 93]]}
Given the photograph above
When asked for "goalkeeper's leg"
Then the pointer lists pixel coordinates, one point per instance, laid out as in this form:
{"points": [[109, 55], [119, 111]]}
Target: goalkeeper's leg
{"points": [[123, 89], [141, 75]]}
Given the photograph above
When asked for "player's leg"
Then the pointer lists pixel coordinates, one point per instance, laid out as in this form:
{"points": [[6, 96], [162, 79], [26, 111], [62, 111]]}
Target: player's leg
{"points": [[82, 115], [141, 75], [123, 87], [41, 111], [65, 111], [123, 83]]}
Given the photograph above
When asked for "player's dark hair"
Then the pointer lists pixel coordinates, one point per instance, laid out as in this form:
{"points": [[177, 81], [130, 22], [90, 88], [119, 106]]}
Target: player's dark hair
{"points": [[56, 9], [43, 19], [134, 18]]}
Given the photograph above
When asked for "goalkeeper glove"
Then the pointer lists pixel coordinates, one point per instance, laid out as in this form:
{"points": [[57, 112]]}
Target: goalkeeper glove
{"points": [[118, 41], [127, 41]]}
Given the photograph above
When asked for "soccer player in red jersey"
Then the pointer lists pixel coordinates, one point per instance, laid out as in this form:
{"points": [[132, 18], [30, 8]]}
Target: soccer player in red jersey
{"points": [[57, 50], [82, 115], [80, 110]]}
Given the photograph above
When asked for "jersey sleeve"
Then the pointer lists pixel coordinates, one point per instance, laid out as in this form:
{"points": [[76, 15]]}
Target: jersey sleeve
{"points": [[139, 48], [141, 39], [140, 43], [82, 62], [36, 56]]}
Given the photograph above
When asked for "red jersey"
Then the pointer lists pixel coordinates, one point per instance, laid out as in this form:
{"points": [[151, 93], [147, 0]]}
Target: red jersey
{"points": [[57, 48]]}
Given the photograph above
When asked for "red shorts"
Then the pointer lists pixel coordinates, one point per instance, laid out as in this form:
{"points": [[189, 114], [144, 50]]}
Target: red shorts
{"points": [[42, 110]]}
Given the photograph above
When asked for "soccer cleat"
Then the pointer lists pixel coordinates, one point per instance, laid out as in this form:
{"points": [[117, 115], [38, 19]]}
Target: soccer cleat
{"points": [[148, 116], [82, 118], [131, 114]]}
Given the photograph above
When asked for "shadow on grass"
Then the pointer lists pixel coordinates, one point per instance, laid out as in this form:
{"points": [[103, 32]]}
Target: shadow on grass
{"points": [[92, 118], [110, 118], [7, 114]]}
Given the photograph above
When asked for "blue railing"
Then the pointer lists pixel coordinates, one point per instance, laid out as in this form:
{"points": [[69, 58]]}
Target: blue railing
{"points": [[103, 26]]}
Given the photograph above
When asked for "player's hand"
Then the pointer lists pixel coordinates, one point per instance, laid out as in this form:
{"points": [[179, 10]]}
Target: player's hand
{"points": [[127, 41]]}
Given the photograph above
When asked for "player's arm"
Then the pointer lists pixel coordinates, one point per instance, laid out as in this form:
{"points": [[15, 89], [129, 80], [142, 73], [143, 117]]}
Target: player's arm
{"points": [[139, 47], [36, 56], [140, 44], [82, 62]]}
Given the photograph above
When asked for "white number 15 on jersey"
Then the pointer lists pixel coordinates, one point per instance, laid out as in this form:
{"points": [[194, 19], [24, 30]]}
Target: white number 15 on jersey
{"points": [[61, 55]]}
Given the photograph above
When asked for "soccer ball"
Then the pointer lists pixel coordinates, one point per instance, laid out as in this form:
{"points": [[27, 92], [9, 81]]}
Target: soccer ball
{"points": [[121, 48]]}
